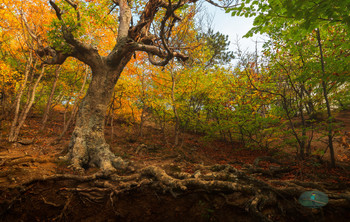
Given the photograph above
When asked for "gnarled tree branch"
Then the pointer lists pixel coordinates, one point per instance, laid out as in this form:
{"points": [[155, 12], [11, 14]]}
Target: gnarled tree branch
{"points": [[139, 38], [81, 50], [156, 51], [124, 19], [55, 56]]}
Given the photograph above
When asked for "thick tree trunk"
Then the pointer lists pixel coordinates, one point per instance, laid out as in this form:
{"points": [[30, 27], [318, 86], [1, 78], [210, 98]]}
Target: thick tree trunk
{"points": [[88, 146]]}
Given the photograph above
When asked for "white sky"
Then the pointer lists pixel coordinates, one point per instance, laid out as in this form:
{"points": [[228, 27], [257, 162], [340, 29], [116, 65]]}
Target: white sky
{"points": [[235, 27]]}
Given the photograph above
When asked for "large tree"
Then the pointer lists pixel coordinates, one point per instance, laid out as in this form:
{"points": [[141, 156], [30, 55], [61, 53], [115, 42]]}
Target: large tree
{"points": [[151, 34]]}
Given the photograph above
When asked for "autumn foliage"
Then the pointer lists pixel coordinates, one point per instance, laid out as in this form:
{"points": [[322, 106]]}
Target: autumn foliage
{"points": [[267, 102]]}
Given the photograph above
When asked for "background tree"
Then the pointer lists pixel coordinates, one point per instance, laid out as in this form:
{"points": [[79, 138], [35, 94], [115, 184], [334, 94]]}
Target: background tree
{"points": [[293, 22], [70, 38], [19, 39]]}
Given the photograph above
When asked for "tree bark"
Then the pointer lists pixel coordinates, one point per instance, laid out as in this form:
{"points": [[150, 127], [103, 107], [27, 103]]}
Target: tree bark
{"points": [[142, 120], [18, 123], [325, 95], [143, 102], [176, 115], [49, 102], [88, 146], [19, 97]]}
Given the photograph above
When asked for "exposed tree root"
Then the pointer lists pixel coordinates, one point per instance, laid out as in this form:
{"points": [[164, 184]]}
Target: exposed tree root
{"points": [[63, 212], [265, 201], [26, 141], [82, 154], [23, 159], [50, 203]]}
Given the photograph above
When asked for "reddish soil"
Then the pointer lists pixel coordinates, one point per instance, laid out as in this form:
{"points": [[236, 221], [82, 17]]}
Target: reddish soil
{"points": [[47, 201]]}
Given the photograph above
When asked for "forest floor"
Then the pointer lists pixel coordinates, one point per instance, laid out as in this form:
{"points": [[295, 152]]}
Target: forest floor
{"points": [[28, 194]]}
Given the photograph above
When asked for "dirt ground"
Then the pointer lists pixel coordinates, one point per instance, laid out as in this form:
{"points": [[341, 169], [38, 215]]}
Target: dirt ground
{"points": [[26, 196]]}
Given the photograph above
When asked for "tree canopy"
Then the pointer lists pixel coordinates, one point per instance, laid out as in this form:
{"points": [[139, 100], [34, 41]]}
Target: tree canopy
{"points": [[302, 74]]}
